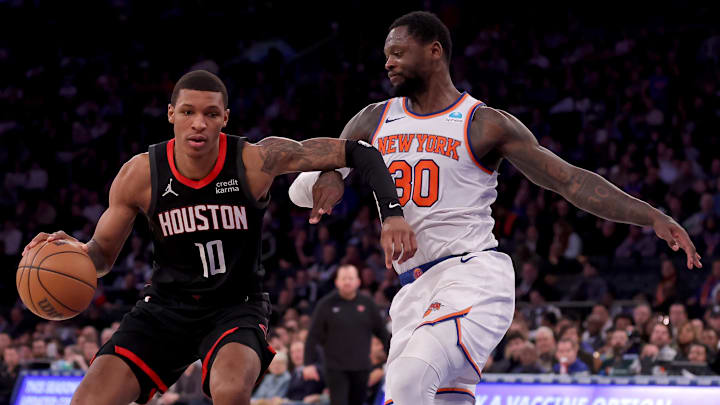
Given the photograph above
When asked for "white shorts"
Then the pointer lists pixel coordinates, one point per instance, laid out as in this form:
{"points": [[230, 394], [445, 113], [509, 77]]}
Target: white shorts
{"points": [[466, 303]]}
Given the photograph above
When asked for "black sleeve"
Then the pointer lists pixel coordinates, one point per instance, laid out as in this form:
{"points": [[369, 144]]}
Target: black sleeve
{"points": [[378, 325], [317, 334], [369, 162]]}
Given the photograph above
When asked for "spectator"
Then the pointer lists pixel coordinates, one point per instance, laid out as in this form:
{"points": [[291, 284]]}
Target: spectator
{"points": [[511, 356], [9, 370], [638, 243], [527, 353], [378, 357], [661, 338], [275, 383], [641, 317], [591, 287], [710, 339], [567, 361], [300, 389], [585, 352], [617, 361], [685, 338], [545, 346], [678, 316]]}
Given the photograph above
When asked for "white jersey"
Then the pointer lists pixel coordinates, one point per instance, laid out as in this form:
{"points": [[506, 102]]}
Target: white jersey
{"points": [[445, 192]]}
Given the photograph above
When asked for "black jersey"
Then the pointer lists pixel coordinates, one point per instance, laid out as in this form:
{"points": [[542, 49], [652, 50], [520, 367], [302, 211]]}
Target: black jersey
{"points": [[207, 232]]}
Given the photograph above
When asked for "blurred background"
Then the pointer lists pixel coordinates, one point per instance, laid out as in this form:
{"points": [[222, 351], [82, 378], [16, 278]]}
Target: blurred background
{"points": [[631, 92]]}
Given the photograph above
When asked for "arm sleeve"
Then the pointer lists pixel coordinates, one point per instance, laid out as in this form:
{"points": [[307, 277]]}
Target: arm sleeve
{"points": [[316, 335], [368, 161], [300, 191]]}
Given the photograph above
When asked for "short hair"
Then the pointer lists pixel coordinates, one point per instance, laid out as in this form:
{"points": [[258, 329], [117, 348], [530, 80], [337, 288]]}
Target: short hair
{"points": [[426, 27], [201, 80], [572, 343]]}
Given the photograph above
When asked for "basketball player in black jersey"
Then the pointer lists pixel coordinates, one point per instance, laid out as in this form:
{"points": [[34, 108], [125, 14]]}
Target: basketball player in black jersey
{"points": [[205, 193]]}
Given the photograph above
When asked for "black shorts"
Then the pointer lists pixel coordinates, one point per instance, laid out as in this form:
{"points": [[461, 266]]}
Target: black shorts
{"points": [[163, 335]]}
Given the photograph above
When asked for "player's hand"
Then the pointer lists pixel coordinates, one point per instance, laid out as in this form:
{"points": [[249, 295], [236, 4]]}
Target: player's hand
{"points": [[49, 237], [397, 237], [310, 373], [671, 232], [327, 191]]}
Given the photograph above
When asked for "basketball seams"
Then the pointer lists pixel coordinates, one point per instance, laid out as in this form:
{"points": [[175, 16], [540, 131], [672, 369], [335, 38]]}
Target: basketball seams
{"points": [[52, 296], [62, 274], [62, 251], [37, 252]]}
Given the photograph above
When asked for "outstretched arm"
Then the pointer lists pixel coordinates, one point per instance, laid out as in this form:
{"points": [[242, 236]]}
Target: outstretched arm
{"points": [[584, 189], [321, 191], [274, 156]]}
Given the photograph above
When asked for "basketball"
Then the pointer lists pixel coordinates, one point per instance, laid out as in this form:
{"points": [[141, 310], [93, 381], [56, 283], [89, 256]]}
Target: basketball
{"points": [[56, 280]]}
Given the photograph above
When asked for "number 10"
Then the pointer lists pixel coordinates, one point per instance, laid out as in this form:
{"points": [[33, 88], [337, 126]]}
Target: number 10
{"points": [[220, 268]]}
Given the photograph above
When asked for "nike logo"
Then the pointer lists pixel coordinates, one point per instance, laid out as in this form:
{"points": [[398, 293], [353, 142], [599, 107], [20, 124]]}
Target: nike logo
{"points": [[388, 120], [393, 205], [467, 260]]}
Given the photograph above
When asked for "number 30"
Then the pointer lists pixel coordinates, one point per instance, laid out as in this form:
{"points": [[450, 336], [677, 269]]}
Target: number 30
{"points": [[410, 180]]}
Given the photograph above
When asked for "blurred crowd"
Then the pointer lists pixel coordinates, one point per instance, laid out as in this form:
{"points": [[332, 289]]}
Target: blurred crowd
{"points": [[638, 103]]}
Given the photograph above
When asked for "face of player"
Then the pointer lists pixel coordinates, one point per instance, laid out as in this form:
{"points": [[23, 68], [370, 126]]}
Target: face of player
{"points": [[407, 62], [197, 118]]}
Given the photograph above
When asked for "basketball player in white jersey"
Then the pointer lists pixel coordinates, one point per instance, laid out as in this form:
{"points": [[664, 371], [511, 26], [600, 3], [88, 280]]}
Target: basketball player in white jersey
{"points": [[443, 148]]}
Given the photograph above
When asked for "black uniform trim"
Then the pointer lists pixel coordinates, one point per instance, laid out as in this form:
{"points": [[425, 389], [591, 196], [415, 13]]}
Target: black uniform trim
{"points": [[152, 152]]}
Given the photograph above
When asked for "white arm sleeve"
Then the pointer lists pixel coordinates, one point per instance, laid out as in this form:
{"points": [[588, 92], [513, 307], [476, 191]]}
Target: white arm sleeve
{"points": [[300, 191]]}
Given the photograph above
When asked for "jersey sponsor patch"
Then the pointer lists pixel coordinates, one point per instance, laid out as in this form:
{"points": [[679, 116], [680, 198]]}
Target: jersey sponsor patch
{"points": [[230, 186]]}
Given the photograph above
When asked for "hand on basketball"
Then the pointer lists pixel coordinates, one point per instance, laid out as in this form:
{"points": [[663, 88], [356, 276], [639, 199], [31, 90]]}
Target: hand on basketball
{"points": [[310, 373], [49, 237], [670, 231], [327, 191], [397, 238]]}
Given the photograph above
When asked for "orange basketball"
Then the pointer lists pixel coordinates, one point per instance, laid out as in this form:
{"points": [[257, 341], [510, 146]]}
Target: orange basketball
{"points": [[56, 280]]}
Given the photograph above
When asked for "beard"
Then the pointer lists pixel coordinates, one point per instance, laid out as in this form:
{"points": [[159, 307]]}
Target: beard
{"points": [[411, 86]]}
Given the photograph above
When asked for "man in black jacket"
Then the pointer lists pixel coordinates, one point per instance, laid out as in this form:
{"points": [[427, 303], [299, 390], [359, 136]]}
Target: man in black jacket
{"points": [[343, 324]]}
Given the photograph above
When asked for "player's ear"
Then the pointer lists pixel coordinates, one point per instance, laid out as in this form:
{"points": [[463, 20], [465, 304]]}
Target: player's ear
{"points": [[171, 114], [436, 50], [226, 117]]}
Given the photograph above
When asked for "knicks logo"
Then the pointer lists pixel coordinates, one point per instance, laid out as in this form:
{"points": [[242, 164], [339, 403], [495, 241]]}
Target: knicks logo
{"points": [[417, 273], [433, 307]]}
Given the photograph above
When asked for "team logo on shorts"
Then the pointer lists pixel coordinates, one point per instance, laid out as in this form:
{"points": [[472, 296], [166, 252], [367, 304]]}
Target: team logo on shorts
{"points": [[417, 273], [433, 307], [264, 329]]}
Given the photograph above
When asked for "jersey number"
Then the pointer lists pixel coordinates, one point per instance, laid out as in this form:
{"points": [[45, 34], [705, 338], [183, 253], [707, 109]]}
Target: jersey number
{"points": [[209, 254], [420, 183]]}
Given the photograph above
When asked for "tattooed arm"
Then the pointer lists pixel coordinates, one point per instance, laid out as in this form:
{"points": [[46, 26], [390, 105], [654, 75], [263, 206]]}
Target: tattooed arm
{"points": [[274, 156], [584, 189], [321, 191]]}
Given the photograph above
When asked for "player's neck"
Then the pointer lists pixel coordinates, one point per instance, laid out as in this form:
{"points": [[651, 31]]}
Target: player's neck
{"points": [[439, 94], [195, 167]]}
